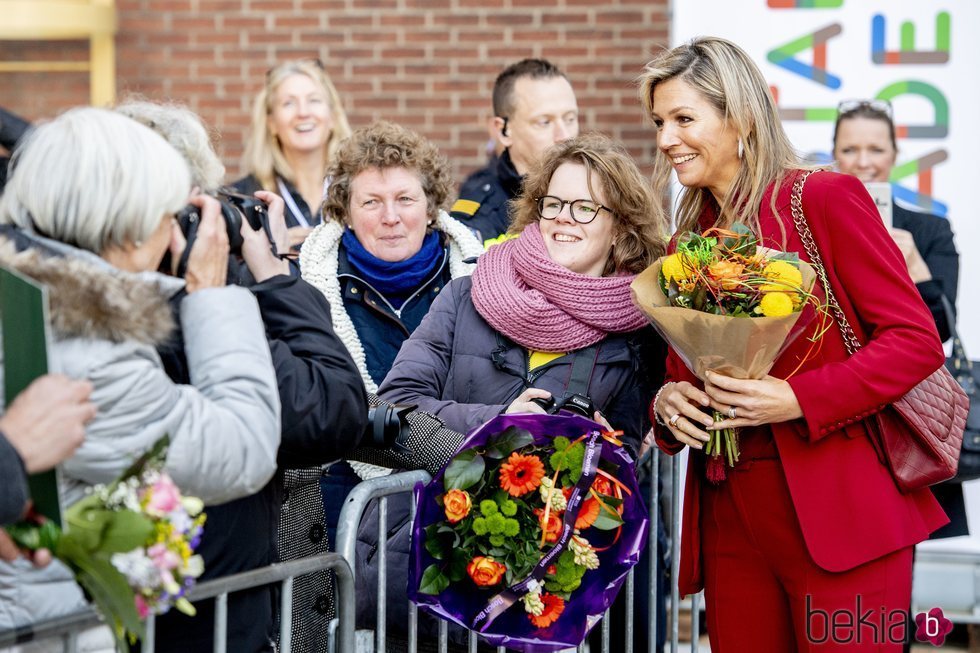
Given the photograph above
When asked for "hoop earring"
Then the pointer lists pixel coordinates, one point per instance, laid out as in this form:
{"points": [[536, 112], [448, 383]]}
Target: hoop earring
{"points": [[741, 149]]}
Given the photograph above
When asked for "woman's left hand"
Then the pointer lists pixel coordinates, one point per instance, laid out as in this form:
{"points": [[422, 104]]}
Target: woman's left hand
{"points": [[916, 265], [261, 262], [763, 401]]}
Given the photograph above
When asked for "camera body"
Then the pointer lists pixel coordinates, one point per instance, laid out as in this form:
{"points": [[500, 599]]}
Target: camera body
{"points": [[574, 403], [234, 207]]}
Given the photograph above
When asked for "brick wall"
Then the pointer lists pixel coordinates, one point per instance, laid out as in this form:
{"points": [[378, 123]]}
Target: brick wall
{"points": [[428, 64]]}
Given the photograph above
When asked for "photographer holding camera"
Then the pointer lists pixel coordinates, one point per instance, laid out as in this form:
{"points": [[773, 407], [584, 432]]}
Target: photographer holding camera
{"points": [[324, 411], [89, 204]]}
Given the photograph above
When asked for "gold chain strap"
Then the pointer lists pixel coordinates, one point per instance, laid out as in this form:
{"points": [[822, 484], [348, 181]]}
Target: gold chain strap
{"points": [[810, 245]]}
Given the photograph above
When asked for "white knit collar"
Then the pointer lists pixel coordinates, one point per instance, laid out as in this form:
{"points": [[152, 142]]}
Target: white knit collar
{"points": [[319, 260]]}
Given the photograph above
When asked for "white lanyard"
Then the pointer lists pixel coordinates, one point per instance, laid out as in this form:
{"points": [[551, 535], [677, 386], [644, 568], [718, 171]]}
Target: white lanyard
{"points": [[291, 203]]}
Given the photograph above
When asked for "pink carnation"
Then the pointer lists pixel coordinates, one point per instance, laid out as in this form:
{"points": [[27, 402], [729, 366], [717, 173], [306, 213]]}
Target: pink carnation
{"points": [[163, 558], [142, 607], [164, 497]]}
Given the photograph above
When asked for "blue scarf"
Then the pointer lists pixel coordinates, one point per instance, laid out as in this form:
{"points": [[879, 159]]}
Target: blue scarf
{"points": [[395, 280]]}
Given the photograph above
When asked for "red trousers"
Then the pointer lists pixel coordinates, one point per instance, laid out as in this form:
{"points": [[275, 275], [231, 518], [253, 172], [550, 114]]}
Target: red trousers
{"points": [[764, 593]]}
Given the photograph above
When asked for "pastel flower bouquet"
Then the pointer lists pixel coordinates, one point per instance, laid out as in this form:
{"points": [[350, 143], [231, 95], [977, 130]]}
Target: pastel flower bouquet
{"points": [[130, 545], [528, 533], [729, 305]]}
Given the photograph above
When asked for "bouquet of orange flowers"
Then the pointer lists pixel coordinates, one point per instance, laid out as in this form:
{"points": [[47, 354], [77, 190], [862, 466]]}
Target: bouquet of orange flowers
{"points": [[534, 510], [726, 304]]}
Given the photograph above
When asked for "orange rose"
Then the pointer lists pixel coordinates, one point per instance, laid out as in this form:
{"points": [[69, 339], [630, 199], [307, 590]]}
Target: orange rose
{"points": [[457, 504], [602, 486], [485, 571], [552, 527], [726, 273]]}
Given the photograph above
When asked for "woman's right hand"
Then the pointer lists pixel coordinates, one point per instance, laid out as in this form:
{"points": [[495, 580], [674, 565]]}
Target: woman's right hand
{"points": [[679, 406], [207, 265], [523, 403]]}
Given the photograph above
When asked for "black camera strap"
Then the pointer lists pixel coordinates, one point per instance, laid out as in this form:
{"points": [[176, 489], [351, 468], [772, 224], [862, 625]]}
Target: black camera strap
{"points": [[580, 374]]}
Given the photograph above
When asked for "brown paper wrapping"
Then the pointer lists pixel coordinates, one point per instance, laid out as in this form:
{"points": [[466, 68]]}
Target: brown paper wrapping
{"points": [[740, 347]]}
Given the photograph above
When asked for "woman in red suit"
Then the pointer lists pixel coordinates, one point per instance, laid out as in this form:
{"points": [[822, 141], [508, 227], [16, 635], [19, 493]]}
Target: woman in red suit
{"points": [[807, 545]]}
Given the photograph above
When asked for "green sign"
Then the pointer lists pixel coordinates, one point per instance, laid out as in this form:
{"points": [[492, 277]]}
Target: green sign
{"points": [[24, 319]]}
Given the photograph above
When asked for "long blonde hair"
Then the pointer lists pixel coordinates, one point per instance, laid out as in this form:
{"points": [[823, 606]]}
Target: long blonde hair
{"points": [[727, 78], [263, 154]]}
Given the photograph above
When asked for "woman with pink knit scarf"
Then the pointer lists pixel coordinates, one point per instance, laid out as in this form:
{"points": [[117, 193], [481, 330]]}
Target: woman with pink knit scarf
{"points": [[491, 343]]}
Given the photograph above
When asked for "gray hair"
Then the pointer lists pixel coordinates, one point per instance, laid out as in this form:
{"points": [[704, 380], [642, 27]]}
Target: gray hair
{"points": [[186, 132], [94, 178]]}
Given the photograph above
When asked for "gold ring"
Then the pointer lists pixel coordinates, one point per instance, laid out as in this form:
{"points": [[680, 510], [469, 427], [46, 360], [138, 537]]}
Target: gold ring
{"points": [[673, 420]]}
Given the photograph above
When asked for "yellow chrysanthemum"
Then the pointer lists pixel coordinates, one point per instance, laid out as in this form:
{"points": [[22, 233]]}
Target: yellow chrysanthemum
{"points": [[677, 267], [776, 304], [785, 275]]}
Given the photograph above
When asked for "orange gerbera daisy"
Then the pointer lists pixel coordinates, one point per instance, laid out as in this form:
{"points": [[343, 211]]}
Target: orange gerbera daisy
{"points": [[553, 607], [521, 474], [588, 513]]}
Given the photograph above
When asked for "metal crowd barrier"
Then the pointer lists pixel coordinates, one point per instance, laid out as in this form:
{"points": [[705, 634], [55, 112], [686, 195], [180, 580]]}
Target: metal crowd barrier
{"points": [[69, 627], [383, 487]]}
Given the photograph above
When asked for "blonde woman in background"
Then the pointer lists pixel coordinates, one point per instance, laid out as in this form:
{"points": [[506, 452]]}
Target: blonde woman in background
{"points": [[297, 123]]}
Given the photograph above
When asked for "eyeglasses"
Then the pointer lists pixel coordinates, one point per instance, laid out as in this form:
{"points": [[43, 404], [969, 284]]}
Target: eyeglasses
{"points": [[879, 106], [582, 211]]}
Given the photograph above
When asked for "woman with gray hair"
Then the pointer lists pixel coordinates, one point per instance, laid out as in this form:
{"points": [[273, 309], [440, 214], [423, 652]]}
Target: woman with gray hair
{"points": [[89, 205]]}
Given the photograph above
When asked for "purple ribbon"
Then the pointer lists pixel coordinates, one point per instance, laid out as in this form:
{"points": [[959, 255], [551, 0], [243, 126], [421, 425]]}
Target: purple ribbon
{"points": [[502, 601]]}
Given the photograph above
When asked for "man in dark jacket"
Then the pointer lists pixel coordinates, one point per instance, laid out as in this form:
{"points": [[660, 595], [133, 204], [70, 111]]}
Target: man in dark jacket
{"points": [[534, 107]]}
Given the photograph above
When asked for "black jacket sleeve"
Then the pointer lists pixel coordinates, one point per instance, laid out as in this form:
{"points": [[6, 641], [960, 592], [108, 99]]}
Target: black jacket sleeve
{"points": [[324, 405], [934, 239], [13, 497]]}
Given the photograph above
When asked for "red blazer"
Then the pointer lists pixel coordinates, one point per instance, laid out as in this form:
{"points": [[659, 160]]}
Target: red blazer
{"points": [[848, 506]]}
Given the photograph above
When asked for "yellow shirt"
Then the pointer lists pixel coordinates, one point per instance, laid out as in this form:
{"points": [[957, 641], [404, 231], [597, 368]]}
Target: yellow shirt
{"points": [[539, 358]]}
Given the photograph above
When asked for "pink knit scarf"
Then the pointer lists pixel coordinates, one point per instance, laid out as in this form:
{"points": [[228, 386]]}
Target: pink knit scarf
{"points": [[544, 306]]}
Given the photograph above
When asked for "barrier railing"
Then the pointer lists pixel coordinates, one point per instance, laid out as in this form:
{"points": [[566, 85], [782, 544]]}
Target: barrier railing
{"points": [[68, 627], [386, 486]]}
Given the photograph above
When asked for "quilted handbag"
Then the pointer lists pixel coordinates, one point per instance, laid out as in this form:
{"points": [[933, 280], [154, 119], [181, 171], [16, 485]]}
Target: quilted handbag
{"points": [[965, 372], [919, 435]]}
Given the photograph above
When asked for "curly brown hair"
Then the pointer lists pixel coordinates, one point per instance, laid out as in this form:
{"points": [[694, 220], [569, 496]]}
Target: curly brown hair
{"points": [[641, 223], [386, 145]]}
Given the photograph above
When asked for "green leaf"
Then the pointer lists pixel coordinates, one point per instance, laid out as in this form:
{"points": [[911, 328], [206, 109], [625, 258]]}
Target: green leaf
{"points": [[464, 471], [508, 441], [435, 548], [789, 257], [125, 531], [32, 537], [433, 580], [607, 520], [110, 592], [85, 527], [457, 566]]}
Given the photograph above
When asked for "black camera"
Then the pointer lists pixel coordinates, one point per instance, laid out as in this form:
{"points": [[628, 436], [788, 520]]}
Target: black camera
{"points": [[574, 403], [387, 427], [234, 207]]}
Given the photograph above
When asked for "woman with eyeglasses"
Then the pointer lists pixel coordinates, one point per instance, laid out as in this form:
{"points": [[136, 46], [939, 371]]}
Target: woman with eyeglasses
{"points": [[809, 530], [508, 336], [298, 122], [864, 146]]}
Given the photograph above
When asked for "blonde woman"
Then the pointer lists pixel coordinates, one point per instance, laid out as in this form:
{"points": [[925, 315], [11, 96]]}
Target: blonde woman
{"points": [[298, 122]]}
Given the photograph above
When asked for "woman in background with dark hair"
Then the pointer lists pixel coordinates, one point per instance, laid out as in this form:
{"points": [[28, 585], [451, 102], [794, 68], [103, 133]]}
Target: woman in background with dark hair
{"points": [[865, 147]]}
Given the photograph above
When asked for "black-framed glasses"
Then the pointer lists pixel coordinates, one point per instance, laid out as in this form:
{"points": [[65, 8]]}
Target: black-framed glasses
{"points": [[582, 211], [850, 106]]}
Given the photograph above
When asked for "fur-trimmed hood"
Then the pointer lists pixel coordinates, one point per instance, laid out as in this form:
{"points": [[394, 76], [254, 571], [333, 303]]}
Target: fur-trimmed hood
{"points": [[89, 298]]}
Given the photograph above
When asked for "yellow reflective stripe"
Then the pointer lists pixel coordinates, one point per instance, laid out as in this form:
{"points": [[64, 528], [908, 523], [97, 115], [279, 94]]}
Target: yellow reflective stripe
{"points": [[468, 207]]}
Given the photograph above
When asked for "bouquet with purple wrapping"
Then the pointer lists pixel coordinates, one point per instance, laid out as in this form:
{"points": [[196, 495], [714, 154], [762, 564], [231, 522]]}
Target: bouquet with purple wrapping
{"points": [[528, 533]]}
